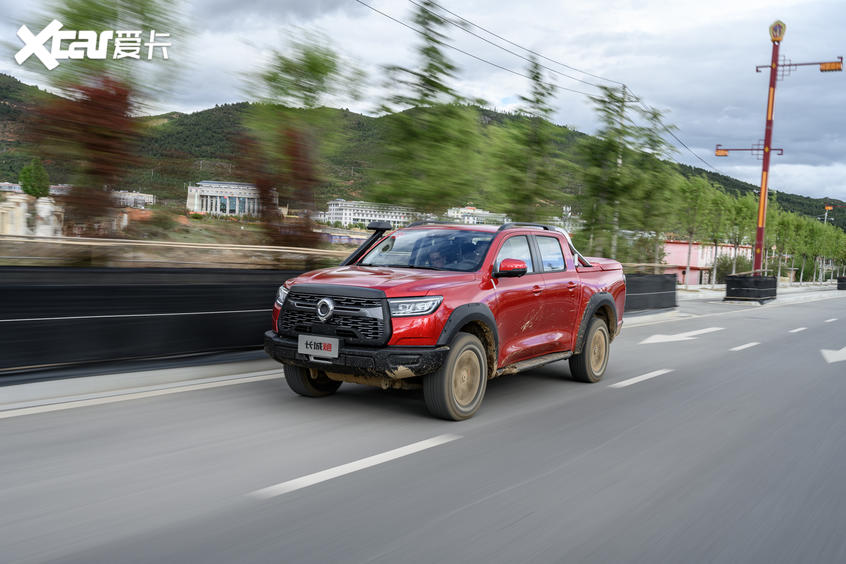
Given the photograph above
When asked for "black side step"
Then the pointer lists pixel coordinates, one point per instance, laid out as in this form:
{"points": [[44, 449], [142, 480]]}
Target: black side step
{"points": [[533, 363]]}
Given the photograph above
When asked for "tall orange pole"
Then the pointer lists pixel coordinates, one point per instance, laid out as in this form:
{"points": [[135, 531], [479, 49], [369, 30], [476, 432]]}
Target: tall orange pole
{"points": [[776, 35]]}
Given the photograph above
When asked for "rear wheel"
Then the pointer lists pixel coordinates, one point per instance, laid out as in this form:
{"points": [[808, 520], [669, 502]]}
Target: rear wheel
{"points": [[589, 365], [310, 383], [456, 390]]}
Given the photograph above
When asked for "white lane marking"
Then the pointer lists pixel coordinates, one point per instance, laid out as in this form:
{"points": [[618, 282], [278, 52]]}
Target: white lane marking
{"points": [[637, 379], [344, 469], [746, 346], [834, 356], [138, 395], [830, 320], [686, 336], [132, 315], [797, 330]]}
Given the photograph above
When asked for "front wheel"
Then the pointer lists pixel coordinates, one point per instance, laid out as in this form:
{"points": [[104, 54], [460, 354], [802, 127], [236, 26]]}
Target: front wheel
{"points": [[589, 365], [456, 390], [310, 383]]}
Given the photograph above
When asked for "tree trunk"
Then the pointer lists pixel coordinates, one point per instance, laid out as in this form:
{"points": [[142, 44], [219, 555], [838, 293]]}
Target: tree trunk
{"points": [[802, 272], [734, 260], [687, 270], [615, 228], [657, 269], [793, 268], [714, 268], [778, 275]]}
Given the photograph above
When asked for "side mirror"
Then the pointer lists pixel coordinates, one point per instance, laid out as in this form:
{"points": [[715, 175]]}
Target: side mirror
{"points": [[511, 268]]}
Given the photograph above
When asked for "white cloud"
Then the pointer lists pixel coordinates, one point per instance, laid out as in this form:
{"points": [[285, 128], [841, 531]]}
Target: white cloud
{"points": [[695, 60]]}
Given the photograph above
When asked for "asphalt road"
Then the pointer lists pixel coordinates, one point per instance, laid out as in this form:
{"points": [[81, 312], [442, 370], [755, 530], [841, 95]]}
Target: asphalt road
{"points": [[688, 451]]}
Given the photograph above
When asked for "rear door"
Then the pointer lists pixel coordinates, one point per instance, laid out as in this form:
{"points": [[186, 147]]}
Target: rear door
{"points": [[562, 291]]}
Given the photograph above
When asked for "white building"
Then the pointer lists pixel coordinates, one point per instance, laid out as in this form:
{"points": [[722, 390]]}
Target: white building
{"points": [[349, 212], [223, 198], [125, 199], [473, 216]]}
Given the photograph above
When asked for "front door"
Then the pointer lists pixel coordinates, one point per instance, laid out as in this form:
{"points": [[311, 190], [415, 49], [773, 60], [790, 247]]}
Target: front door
{"points": [[519, 304]]}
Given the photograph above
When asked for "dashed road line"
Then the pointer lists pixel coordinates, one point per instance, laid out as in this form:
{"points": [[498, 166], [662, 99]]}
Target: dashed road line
{"points": [[746, 346], [797, 330], [831, 320], [637, 379], [344, 469]]}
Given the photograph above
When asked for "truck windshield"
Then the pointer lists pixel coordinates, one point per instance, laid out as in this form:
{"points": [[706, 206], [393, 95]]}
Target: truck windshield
{"points": [[432, 249]]}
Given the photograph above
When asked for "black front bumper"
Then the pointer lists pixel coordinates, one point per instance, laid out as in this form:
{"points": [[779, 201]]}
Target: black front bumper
{"points": [[393, 362]]}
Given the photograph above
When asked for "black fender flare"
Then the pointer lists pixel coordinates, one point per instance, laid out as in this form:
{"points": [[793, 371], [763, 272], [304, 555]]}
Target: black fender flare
{"points": [[464, 314], [596, 301]]}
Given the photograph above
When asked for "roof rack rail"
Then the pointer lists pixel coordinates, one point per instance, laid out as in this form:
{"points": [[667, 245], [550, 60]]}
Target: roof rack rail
{"points": [[515, 224]]}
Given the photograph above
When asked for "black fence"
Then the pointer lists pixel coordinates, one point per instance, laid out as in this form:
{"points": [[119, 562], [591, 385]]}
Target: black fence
{"points": [[752, 288], [650, 291], [841, 282], [55, 315]]}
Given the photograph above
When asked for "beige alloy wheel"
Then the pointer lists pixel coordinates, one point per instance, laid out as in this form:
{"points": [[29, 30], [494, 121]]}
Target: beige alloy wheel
{"points": [[467, 377], [598, 352], [456, 390], [589, 365]]}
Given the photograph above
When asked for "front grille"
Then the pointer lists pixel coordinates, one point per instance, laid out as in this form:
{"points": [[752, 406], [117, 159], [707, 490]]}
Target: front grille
{"points": [[361, 321]]}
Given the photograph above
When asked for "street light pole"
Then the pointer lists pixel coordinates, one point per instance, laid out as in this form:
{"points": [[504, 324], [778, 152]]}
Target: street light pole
{"points": [[777, 30], [776, 35]]}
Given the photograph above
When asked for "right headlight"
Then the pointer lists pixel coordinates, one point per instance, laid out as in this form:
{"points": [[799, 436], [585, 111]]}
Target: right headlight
{"points": [[281, 295], [408, 307]]}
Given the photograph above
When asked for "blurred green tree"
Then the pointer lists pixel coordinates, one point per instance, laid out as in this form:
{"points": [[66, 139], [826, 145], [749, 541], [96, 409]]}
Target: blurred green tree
{"points": [[432, 158], [524, 155], [34, 180]]}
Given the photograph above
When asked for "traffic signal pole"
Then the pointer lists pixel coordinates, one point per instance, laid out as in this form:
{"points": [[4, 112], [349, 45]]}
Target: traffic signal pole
{"points": [[776, 35]]}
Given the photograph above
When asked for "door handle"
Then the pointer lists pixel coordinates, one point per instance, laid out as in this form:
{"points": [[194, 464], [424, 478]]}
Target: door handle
{"points": [[536, 290], [571, 286]]}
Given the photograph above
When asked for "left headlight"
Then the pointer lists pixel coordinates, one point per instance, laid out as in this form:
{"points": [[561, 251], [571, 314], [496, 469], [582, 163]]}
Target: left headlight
{"points": [[281, 295], [407, 307]]}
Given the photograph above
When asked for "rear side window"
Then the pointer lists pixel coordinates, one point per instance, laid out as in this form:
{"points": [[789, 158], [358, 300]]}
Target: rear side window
{"points": [[551, 256], [516, 248]]}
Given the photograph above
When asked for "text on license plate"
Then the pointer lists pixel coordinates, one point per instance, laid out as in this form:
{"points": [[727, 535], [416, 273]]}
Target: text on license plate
{"points": [[326, 347]]}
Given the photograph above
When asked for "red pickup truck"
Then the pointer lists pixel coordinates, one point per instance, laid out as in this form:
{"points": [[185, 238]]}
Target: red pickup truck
{"points": [[447, 307]]}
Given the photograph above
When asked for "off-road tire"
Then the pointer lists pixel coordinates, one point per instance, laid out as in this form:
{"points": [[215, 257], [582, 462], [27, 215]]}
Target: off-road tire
{"points": [[456, 390], [301, 381], [589, 365]]}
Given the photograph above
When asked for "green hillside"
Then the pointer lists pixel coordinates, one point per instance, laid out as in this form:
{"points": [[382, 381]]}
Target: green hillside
{"points": [[181, 148]]}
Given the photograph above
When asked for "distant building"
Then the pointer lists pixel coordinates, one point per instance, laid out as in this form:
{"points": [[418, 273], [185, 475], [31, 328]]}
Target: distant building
{"points": [[14, 210], [10, 187], [702, 258], [223, 198], [125, 199], [348, 212], [474, 216], [22, 215]]}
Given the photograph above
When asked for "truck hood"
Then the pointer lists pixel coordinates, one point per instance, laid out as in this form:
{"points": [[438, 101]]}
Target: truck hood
{"points": [[392, 281]]}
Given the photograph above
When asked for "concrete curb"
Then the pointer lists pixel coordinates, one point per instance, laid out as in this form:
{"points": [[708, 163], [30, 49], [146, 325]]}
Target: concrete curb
{"points": [[17, 396]]}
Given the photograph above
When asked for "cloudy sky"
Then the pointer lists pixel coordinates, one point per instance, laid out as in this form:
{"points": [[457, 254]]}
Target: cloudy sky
{"points": [[695, 60]]}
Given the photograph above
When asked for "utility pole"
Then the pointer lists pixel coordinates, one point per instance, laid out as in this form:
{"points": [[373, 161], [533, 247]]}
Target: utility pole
{"points": [[778, 70], [619, 172]]}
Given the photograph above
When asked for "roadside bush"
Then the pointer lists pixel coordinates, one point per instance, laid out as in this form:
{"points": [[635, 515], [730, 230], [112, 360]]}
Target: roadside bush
{"points": [[724, 263], [163, 220]]}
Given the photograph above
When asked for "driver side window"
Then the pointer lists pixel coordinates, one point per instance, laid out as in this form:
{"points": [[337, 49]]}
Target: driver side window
{"points": [[516, 248]]}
